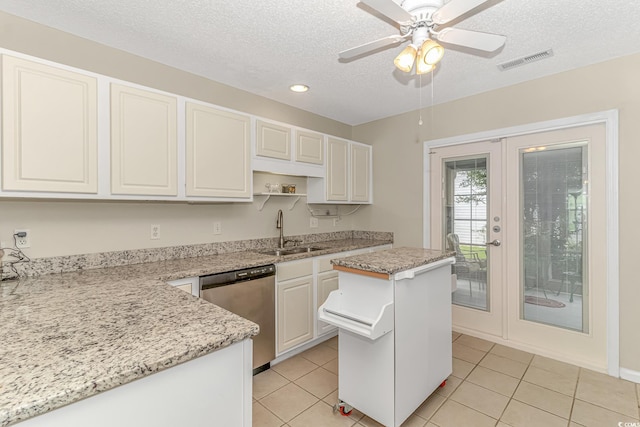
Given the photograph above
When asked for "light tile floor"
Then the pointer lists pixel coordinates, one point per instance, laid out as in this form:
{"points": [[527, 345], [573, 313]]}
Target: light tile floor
{"points": [[491, 385]]}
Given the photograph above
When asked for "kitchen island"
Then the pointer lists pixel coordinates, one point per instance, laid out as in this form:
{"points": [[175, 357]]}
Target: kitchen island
{"points": [[66, 337], [393, 311]]}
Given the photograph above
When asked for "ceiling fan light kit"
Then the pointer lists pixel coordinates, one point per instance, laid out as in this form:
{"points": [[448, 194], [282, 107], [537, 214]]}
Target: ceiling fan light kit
{"points": [[431, 52], [427, 55], [404, 61], [423, 68], [421, 20]]}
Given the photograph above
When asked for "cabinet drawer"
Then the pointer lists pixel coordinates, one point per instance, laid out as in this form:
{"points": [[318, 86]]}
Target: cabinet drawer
{"points": [[324, 265], [293, 270]]}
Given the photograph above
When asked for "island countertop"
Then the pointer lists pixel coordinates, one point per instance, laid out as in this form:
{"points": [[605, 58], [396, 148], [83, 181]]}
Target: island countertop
{"points": [[72, 335], [392, 261]]}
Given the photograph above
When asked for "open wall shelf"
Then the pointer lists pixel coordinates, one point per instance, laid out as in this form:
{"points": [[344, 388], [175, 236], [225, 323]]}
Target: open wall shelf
{"points": [[262, 198]]}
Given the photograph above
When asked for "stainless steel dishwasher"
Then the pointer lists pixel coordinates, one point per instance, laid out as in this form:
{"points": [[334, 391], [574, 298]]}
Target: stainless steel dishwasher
{"points": [[249, 293]]}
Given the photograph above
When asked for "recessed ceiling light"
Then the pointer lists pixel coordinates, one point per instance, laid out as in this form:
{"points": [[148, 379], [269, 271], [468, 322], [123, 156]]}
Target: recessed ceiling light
{"points": [[299, 88]]}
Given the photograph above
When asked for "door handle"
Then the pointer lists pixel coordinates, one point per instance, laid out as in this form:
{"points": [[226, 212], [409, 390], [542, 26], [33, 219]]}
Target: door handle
{"points": [[495, 242]]}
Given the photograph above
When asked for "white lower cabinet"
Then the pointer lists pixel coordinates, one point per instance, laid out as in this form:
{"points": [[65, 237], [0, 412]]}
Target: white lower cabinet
{"points": [[188, 284], [295, 310], [302, 287], [327, 282], [211, 390]]}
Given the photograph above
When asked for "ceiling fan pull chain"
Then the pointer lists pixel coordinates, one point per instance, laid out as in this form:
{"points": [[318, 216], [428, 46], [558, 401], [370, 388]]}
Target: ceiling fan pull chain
{"points": [[420, 98], [433, 77]]}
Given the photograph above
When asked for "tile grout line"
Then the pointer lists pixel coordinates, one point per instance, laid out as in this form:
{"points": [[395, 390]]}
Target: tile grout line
{"points": [[279, 388], [511, 398], [271, 412], [575, 394], [520, 380], [294, 382]]}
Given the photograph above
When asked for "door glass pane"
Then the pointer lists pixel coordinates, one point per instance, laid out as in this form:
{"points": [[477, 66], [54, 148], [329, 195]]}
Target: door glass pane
{"points": [[553, 210], [465, 228]]}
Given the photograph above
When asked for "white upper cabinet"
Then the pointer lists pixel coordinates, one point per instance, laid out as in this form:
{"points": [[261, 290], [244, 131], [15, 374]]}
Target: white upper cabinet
{"points": [[49, 128], [309, 147], [348, 176], [74, 134], [360, 173], [143, 142], [217, 152], [337, 170], [273, 140], [283, 149]]}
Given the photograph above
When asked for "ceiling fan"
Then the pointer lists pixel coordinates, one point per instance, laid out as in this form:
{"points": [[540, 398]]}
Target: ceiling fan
{"points": [[421, 21]]}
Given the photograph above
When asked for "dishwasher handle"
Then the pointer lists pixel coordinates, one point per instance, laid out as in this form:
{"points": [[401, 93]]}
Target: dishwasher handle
{"points": [[231, 277]]}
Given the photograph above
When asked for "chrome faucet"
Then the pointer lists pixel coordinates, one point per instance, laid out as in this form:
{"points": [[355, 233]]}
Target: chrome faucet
{"points": [[280, 226]]}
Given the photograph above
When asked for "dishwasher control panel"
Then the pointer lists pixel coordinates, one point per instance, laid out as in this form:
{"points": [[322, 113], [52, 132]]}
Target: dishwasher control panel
{"points": [[259, 271], [230, 277]]}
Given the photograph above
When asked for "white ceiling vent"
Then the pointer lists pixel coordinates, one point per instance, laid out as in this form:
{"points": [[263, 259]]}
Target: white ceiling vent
{"points": [[525, 60]]}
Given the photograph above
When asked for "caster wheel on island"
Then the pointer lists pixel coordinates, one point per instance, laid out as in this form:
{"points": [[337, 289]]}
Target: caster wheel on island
{"points": [[344, 409]]}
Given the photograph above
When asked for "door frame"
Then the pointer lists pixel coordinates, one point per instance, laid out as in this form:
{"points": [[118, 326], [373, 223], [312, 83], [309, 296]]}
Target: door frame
{"points": [[610, 119]]}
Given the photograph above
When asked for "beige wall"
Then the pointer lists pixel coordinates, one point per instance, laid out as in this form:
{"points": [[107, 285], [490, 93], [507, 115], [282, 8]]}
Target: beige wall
{"points": [[44, 42], [398, 157], [63, 228], [73, 227]]}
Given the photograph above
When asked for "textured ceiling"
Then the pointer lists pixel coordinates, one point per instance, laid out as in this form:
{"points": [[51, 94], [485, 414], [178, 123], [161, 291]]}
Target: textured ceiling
{"points": [[263, 46]]}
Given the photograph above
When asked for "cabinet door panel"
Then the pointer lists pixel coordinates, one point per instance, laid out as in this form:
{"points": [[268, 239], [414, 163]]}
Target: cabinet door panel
{"points": [[327, 282], [273, 140], [337, 176], [295, 313], [218, 162], [143, 142], [360, 173], [309, 147], [49, 128]]}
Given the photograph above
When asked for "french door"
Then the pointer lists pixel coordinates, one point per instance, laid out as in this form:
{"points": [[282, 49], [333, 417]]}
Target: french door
{"points": [[466, 183], [526, 216]]}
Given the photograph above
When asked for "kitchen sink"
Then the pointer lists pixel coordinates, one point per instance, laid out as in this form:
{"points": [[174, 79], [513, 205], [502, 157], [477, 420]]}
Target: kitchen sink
{"points": [[291, 251]]}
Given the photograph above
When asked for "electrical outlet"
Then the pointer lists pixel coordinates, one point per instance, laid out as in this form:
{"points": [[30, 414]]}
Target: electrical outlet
{"points": [[313, 222], [155, 231], [217, 227], [336, 221], [24, 241]]}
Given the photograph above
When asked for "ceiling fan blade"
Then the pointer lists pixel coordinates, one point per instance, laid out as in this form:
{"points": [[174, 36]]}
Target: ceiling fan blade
{"points": [[453, 9], [473, 39], [391, 10], [371, 46]]}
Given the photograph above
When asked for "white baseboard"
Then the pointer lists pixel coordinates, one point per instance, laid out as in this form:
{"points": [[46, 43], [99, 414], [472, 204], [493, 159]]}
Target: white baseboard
{"points": [[630, 375], [583, 363], [303, 347]]}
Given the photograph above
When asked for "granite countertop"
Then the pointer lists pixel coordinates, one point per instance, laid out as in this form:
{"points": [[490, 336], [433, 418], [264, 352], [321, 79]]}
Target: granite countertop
{"points": [[69, 336], [392, 261]]}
